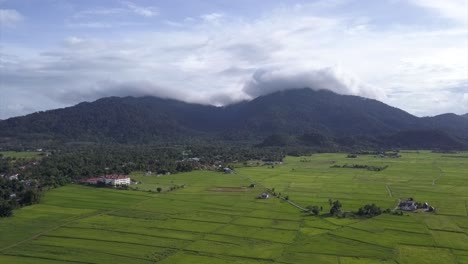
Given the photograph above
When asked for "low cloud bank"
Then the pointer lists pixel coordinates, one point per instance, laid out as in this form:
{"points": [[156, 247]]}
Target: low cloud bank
{"points": [[269, 80]]}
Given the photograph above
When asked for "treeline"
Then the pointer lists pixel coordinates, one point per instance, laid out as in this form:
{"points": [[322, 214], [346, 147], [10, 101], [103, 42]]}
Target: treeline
{"points": [[358, 166], [67, 165], [14, 192], [366, 211], [71, 163]]}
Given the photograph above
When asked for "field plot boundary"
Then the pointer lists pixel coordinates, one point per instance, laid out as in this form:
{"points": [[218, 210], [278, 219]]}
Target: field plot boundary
{"points": [[75, 219], [389, 190], [269, 190], [50, 230]]}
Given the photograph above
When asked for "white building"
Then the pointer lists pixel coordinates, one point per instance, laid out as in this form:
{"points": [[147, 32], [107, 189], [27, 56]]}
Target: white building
{"points": [[13, 177], [116, 179]]}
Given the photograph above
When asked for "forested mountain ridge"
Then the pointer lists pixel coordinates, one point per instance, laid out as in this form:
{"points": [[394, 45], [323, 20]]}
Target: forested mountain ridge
{"points": [[294, 113]]}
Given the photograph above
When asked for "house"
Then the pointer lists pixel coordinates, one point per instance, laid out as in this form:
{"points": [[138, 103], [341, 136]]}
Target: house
{"points": [[407, 204], [116, 179], [91, 181], [13, 177], [429, 209], [228, 171], [113, 179], [271, 163], [264, 196]]}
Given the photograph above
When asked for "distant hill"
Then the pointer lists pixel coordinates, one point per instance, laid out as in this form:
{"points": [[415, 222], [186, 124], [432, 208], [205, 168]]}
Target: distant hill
{"points": [[302, 110], [423, 139], [301, 116], [450, 123]]}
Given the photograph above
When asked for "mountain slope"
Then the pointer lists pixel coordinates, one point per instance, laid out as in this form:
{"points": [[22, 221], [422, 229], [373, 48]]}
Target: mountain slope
{"points": [[450, 123], [298, 113], [116, 119]]}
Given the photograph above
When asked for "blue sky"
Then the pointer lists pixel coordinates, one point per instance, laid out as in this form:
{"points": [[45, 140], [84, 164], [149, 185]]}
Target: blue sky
{"points": [[412, 54]]}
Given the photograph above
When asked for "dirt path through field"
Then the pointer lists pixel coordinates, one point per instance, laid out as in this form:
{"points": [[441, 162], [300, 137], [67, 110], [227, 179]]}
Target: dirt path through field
{"points": [[389, 191], [441, 173], [268, 190]]}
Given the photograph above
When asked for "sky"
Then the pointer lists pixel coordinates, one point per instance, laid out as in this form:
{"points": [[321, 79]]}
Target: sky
{"points": [[410, 54]]}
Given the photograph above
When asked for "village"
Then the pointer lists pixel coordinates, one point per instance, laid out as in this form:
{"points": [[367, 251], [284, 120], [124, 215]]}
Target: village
{"points": [[409, 204], [114, 180]]}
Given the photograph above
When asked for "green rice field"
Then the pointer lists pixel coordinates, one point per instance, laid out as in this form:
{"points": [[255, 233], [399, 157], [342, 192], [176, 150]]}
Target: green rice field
{"points": [[216, 218], [22, 154]]}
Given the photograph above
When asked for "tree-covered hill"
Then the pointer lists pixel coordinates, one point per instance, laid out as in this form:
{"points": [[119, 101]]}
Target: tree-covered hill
{"points": [[305, 115]]}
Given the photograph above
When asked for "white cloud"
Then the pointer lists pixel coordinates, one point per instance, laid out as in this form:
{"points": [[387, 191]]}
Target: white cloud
{"points": [[452, 9], [10, 16], [73, 40], [142, 11], [126, 8], [212, 17], [99, 12], [465, 102], [265, 81], [220, 58]]}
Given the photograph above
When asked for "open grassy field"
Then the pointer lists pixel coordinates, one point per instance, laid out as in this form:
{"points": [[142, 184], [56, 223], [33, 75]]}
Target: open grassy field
{"points": [[215, 218], [21, 154]]}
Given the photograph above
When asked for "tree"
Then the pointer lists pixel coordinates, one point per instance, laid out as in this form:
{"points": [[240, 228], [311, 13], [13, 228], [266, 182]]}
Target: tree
{"points": [[313, 209], [159, 189], [6, 209], [369, 210], [330, 201], [31, 197], [336, 206]]}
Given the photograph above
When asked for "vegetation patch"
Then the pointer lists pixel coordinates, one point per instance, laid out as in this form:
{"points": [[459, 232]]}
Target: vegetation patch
{"points": [[359, 166], [204, 223], [229, 189]]}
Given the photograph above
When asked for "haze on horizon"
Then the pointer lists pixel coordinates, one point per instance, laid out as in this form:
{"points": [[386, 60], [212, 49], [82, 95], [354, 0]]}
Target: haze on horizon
{"points": [[411, 54]]}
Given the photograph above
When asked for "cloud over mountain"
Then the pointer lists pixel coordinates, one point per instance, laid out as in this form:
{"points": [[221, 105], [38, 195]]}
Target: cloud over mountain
{"points": [[265, 81], [222, 55]]}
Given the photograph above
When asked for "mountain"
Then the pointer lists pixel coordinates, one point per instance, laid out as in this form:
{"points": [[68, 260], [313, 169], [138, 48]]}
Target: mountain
{"points": [[301, 116], [299, 111], [451, 123], [423, 139], [116, 119]]}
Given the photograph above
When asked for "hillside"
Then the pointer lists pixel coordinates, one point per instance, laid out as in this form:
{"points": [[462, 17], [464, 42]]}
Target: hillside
{"points": [[293, 112]]}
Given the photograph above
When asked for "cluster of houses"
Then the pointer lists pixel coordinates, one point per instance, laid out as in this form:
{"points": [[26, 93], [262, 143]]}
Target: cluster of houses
{"points": [[112, 179], [409, 204], [10, 177], [272, 163], [228, 170]]}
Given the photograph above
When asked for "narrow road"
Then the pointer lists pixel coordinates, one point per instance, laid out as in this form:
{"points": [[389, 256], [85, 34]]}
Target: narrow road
{"points": [[441, 173], [388, 190], [269, 190]]}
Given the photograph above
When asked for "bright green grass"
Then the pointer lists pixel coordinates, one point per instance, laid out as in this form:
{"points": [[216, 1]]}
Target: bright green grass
{"points": [[216, 218], [21, 154]]}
